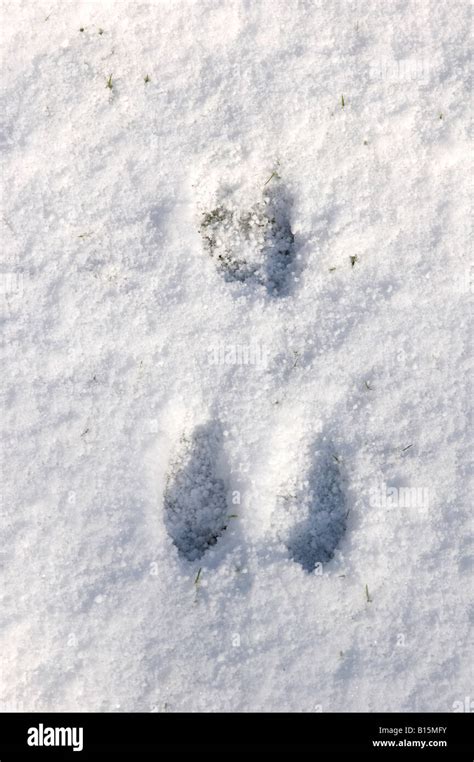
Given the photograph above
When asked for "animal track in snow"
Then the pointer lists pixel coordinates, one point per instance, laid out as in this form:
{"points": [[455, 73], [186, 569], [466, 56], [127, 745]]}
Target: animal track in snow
{"points": [[255, 246], [195, 499], [313, 513]]}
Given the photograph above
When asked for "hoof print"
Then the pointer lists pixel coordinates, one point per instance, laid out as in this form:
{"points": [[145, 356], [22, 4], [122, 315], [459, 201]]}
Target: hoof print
{"points": [[195, 499], [254, 246], [316, 513]]}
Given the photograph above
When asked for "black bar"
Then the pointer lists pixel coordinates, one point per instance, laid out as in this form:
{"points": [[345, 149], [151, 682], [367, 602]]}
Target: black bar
{"points": [[119, 734]]}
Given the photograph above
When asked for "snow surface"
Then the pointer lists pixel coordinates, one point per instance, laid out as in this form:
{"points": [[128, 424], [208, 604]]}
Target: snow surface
{"points": [[298, 432]]}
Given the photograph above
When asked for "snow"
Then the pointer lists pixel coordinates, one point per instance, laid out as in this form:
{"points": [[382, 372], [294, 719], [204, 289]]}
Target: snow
{"points": [[238, 488]]}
